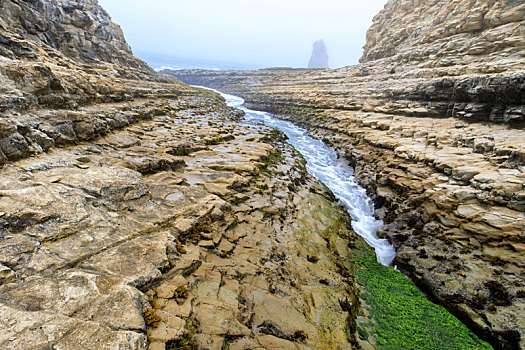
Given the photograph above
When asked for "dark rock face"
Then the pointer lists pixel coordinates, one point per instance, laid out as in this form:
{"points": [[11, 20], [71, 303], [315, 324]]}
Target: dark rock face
{"points": [[319, 57]]}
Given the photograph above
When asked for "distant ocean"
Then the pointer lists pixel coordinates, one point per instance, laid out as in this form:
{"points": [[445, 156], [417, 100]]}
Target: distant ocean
{"points": [[161, 62]]}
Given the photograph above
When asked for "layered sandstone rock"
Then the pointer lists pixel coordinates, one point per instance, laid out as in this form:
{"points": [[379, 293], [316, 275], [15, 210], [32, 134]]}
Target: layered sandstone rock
{"points": [[137, 212], [432, 120], [185, 227], [80, 29], [57, 56]]}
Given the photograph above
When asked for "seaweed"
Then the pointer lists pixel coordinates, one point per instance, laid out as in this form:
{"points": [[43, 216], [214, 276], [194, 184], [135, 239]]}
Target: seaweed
{"points": [[403, 318]]}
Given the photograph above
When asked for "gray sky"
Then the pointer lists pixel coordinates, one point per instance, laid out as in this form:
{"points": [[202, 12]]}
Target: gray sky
{"points": [[260, 32]]}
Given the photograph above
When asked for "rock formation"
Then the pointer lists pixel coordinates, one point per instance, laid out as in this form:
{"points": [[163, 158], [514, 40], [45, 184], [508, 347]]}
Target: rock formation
{"points": [[137, 212], [80, 29], [433, 122], [319, 58], [63, 55]]}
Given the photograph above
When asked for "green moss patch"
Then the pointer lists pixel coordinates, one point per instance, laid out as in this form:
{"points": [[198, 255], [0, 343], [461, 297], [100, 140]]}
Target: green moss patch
{"points": [[403, 318]]}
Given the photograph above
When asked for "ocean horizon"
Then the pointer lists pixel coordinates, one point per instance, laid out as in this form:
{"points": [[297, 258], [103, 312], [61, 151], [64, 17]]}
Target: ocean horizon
{"points": [[161, 62]]}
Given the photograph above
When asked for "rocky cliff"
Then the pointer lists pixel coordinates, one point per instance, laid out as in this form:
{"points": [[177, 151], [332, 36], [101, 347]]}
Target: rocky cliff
{"points": [[432, 120], [440, 34], [57, 56], [79, 29]]}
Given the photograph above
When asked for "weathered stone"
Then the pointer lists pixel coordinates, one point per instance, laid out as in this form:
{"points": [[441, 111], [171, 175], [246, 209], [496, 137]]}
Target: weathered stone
{"points": [[15, 147], [164, 333], [278, 314], [422, 117], [112, 239], [6, 274]]}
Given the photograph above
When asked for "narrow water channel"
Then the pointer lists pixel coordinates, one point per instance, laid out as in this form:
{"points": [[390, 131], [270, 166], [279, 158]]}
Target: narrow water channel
{"points": [[323, 163], [399, 315]]}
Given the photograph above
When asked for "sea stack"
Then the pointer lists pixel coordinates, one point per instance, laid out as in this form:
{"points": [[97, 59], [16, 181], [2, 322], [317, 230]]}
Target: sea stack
{"points": [[319, 57]]}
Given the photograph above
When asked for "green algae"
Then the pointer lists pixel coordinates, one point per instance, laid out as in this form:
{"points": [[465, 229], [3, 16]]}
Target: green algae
{"points": [[403, 318]]}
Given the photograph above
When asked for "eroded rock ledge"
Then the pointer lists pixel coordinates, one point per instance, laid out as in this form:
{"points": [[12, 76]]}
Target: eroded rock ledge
{"points": [[450, 193], [183, 228], [137, 212], [56, 59], [432, 121]]}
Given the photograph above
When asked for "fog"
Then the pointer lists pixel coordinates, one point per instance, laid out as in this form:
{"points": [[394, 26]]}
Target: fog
{"points": [[263, 33]]}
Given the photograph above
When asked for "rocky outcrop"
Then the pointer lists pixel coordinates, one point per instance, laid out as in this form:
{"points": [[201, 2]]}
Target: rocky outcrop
{"points": [[441, 34], [432, 121], [137, 212], [319, 58], [56, 57], [474, 45], [81, 30], [186, 228]]}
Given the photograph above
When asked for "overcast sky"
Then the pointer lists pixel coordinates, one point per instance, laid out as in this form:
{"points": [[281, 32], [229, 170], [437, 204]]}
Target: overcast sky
{"points": [[260, 32]]}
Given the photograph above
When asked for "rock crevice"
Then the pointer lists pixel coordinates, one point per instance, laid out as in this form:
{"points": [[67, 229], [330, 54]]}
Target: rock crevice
{"points": [[432, 121]]}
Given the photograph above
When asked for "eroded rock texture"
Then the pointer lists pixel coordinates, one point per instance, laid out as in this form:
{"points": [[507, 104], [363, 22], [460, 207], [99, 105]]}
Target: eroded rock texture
{"points": [[432, 120], [64, 54], [187, 228], [57, 56], [137, 212], [80, 29]]}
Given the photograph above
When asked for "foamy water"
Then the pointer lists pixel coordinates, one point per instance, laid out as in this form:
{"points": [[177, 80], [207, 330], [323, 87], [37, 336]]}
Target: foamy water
{"points": [[323, 163]]}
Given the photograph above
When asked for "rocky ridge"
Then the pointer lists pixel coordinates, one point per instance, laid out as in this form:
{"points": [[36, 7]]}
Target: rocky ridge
{"points": [[56, 57], [81, 30], [432, 121]]}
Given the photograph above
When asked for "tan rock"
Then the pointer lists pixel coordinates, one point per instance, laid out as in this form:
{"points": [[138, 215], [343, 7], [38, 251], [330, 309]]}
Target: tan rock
{"points": [[184, 310], [164, 333], [225, 247], [271, 342], [219, 321], [6, 274], [470, 211], [279, 312], [166, 289], [157, 345], [212, 342]]}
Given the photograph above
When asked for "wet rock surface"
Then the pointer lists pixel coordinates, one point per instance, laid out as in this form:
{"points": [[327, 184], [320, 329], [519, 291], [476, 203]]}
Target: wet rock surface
{"points": [[431, 121], [188, 227]]}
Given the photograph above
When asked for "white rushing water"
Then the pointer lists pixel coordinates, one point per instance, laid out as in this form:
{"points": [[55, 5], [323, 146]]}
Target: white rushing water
{"points": [[323, 163]]}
